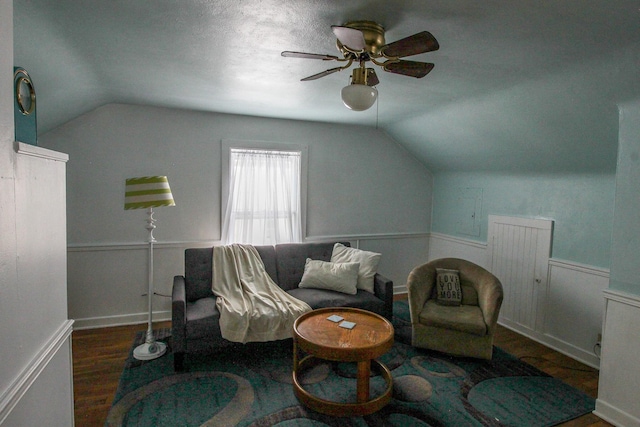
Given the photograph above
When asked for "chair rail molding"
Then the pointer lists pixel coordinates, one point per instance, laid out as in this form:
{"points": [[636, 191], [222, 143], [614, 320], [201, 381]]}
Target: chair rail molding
{"points": [[12, 396]]}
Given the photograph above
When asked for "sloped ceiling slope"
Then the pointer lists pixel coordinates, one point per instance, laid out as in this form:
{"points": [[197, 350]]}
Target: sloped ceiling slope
{"points": [[518, 85]]}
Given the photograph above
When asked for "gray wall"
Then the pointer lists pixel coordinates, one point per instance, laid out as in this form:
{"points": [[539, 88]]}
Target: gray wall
{"points": [[360, 181], [362, 187]]}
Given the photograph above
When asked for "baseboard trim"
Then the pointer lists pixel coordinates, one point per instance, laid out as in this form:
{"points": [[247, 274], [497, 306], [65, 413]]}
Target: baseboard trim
{"points": [[120, 320], [399, 289], [614, 415], [129, 246], [16, 391]]}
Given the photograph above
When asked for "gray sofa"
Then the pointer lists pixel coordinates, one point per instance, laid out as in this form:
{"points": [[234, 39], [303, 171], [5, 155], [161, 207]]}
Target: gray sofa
{"points": [[195, 318]]}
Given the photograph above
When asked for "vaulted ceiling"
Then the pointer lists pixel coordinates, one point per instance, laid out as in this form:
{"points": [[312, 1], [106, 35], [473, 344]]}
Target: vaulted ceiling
{"points": [[518, 85]]}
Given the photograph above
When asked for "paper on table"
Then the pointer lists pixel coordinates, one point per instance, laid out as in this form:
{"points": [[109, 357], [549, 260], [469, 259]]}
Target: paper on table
{"points": [[347, 325]]}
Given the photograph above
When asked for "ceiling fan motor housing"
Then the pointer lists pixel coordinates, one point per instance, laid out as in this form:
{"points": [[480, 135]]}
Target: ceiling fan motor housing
{"points": [[373, 36]]}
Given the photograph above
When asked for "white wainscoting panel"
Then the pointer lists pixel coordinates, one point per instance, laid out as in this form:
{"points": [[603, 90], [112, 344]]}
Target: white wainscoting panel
{"points": [[444, 246], [106, 283], [619, 373], [49, 371], [574, 306]]}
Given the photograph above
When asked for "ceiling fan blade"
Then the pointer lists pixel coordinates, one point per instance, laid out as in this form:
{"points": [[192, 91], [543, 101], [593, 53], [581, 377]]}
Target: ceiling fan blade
{"points": [[322, 74], [412, 45], [290, 54], [350, 37], [372, 78], [408, 68]]}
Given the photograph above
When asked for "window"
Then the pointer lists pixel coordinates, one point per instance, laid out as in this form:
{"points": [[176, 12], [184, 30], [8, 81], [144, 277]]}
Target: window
{"points": [[263, 198]]}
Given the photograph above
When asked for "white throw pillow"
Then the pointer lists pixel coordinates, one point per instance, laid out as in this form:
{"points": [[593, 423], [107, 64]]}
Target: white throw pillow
{"points": [[368, 263], [340, 277]]}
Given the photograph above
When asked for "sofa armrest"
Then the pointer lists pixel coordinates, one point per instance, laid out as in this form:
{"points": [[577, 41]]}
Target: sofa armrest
{"points": [[178, 314], [383, 289]]}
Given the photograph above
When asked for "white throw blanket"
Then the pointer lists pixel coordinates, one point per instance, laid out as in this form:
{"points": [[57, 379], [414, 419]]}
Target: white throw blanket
{"points": [[252, 307]]}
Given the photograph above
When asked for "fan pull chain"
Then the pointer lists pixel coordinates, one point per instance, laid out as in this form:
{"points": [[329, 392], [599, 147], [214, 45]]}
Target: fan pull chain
{"points": [[377, 110]]}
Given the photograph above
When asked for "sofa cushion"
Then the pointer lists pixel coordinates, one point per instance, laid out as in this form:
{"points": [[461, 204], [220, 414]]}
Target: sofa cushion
{"points": [[368, 263], [268, 256], [197, 269], [463, 318], [291, 258], [322, 298], [335, 276]]}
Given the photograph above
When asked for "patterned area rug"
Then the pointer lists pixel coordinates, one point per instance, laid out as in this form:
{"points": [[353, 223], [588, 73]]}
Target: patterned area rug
{"points": [[250, 385]]}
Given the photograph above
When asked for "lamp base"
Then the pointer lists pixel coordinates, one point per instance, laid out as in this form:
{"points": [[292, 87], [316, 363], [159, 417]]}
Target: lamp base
{"points": [[150, 351]]}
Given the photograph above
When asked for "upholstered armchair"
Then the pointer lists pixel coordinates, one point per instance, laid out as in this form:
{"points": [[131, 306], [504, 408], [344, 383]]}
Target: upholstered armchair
{"points": [[463, 327]]}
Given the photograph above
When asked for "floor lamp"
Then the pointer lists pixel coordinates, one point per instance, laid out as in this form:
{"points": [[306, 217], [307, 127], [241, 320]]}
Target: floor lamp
{"points": [[146, 193]]}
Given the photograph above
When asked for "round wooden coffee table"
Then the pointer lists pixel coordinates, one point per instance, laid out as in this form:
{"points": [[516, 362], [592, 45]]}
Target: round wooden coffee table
{"points": [[323, 339]]}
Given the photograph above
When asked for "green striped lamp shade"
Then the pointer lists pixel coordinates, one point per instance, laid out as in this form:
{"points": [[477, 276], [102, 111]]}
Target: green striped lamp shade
{"points": [[147, 192]]}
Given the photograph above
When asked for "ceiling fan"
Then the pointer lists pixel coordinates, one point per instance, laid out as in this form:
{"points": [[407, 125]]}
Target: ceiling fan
{"points": [[363, 41]]}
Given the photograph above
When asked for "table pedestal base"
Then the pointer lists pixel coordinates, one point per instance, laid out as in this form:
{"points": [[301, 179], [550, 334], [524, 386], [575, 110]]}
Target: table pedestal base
{"points": [[363, 406]]}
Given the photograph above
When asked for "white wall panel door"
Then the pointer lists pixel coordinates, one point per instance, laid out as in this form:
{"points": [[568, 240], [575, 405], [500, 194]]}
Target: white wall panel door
{"points": [[518, 254]]}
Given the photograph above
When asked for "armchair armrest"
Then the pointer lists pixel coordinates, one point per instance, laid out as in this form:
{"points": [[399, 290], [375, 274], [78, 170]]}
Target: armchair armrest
{"points": [[178, 314], [419, 289], [490, 296], [383, 289]]}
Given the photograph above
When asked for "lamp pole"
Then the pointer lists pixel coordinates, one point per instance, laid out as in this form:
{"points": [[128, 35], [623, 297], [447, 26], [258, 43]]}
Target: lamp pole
{"points": [[151, 348]]}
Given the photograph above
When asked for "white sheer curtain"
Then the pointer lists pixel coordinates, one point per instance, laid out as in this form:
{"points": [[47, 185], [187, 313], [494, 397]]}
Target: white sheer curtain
{"points": [[264, 198]]}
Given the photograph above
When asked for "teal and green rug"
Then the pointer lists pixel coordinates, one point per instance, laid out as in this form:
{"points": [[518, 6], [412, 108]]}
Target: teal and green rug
{"points": [[250, 385]]}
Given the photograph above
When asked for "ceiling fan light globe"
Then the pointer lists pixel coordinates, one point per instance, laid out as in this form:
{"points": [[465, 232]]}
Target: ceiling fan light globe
{"points": [[358, 97]]}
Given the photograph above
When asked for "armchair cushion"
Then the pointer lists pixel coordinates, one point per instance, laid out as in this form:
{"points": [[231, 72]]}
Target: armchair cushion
{"points": [[464, 318]]}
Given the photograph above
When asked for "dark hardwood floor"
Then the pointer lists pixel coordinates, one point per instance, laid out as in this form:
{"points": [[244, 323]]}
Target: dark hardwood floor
{"points": [[99, 356]]}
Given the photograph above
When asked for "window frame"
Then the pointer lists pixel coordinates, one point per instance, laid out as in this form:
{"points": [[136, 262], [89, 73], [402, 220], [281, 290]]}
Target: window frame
{"points": [[229, 144]]}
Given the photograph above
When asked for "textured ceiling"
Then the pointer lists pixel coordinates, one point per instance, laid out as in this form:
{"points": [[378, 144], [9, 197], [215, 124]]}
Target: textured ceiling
{"points": [[513, 80]]}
